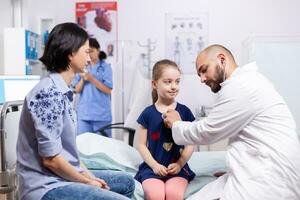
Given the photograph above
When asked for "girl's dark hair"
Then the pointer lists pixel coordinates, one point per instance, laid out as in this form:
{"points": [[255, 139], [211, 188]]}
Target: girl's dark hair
{"points": [[64, 39], [157, 71], [94, 43]]}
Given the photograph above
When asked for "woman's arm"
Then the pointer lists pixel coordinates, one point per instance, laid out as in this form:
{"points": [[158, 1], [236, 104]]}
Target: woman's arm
{"points": [[64, 169], [87, 173], [146, 155]]}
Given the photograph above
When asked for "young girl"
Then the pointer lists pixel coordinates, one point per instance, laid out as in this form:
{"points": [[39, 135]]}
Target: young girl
{"points": [[165, 173]]}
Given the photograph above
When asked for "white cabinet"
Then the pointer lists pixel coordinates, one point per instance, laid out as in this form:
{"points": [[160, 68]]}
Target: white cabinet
{"points": [[20, 51]]}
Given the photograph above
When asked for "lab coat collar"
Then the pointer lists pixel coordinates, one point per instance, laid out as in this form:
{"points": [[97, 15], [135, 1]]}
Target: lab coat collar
{"points": [[248, 67]]}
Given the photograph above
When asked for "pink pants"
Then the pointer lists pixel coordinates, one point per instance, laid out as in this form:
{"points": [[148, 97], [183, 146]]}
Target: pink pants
{"points": [[172, 189]]}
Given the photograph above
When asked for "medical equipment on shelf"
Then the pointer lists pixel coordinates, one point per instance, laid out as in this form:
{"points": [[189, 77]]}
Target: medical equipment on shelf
{"points": [[25, 47], [10, 115]]}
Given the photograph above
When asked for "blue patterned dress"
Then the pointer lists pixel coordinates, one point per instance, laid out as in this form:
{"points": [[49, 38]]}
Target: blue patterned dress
{"points": [[161, 144]]}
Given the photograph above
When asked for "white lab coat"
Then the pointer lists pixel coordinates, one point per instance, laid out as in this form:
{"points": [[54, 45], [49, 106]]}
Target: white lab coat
{"points": [[264, 149]]}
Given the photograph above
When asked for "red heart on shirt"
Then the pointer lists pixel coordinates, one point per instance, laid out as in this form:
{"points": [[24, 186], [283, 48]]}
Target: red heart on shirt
{"points": [[155, 136]]}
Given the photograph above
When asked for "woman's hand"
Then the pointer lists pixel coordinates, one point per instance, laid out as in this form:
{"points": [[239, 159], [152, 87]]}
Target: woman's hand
{"points": [[174, 168], [94, 180], [159, 169], [98, 183]]}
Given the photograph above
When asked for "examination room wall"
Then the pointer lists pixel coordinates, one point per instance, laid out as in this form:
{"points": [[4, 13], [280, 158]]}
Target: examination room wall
{"points": [[229, 23], [5, 21]]}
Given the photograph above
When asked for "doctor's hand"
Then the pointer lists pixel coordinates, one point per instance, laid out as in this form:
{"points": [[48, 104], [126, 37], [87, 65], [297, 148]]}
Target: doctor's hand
{"points": [[174, 168], [170, 117], [159, 169]]}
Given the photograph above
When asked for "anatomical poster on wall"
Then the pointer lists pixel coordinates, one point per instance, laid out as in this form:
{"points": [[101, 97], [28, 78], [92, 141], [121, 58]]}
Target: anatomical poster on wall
{"points": [[99, 19], [186, 36]]}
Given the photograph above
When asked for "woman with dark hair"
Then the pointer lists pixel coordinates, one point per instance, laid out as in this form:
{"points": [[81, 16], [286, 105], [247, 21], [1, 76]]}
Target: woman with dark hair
{"points": [[94, 87], [48, 164], [102, 55]]}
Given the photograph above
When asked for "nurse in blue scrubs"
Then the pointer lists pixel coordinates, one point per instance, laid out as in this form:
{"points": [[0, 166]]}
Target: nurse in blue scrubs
{"points": [[94, 87]]}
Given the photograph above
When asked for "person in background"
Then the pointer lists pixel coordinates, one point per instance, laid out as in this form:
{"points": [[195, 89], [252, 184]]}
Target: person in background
{"points": [[48, 165], [102, 56], [164, 174], [263, 149], [110, 49], [94, 86]]}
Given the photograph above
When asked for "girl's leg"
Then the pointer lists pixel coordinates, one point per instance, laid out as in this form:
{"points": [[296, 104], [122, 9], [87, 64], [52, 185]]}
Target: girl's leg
{"points": [[175, 188], [154, 189]]}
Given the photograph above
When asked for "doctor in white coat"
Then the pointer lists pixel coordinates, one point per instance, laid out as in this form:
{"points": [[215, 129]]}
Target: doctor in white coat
{"points": [[264, 149]]}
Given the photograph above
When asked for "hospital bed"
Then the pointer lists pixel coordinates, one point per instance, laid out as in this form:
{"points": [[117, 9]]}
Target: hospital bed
{"points": [[119, 126], [99, 152], [10, 115]]}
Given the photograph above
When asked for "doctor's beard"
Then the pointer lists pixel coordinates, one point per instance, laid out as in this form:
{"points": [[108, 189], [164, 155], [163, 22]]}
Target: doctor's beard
{"points": [[218, 78]]}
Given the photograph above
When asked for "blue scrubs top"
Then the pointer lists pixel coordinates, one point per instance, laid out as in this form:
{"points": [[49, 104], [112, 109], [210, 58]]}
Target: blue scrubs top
{"points": [[47, 128], [161, 144], [93, 104]]}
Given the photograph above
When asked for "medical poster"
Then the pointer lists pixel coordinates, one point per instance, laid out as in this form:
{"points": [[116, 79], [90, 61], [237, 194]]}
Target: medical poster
{"points": [[99, 19], [186, 36]]}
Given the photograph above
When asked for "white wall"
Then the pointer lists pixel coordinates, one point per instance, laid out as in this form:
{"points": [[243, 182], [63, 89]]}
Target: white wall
{"points": [[230, 23], [5, 21]]}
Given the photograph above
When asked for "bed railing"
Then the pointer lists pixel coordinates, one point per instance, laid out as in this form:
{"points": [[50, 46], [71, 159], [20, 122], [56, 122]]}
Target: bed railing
{"points": [[7, 173]]}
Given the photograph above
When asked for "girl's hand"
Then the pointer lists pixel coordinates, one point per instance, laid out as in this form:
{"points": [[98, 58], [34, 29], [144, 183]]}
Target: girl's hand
{"points": [[174, 168], [159, 169]]}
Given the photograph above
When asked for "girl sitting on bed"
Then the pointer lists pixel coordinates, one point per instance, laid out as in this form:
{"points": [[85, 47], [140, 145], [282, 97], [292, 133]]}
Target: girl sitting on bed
{"points": [[165, 169]]}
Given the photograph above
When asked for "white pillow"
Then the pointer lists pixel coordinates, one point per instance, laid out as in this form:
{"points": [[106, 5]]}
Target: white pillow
{"points": [[119, 151], [207, 163]]}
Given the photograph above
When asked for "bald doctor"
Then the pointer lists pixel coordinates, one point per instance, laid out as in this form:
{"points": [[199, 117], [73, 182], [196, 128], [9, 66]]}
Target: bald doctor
{"points": [[264, 149]]}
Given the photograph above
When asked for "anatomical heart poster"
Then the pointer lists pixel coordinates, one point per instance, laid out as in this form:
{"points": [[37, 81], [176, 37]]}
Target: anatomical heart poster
{"points": [[99, 19]]}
